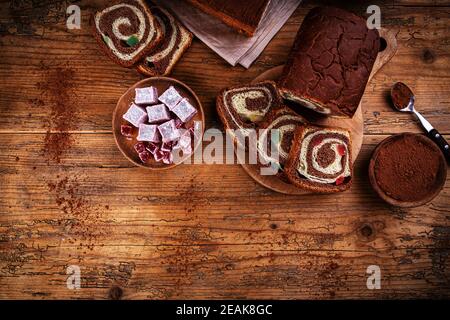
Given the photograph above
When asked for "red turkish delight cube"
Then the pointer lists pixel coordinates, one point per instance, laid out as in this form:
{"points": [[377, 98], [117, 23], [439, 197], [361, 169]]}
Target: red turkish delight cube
{"points": [[126, 131], [152, 147], [159, 155], [168, 157], [139, 147], [167, 146], [144, 156]]}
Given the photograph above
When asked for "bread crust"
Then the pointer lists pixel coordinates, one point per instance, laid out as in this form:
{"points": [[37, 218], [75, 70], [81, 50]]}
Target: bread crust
{"points": [[142, 66], [330, 75], [144, 51], [293, 159], [240, 26]]}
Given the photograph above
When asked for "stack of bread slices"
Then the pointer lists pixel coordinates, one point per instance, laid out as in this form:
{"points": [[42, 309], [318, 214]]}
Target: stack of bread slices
{"points": [[135, 35]]}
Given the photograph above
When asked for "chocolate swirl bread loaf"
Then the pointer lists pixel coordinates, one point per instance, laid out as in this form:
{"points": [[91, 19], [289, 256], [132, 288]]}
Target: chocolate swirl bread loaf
{"points": [[126, 31], [243, 16], [177, 40], [320, 159], [242, 107], [286, 121], [330, 63]]}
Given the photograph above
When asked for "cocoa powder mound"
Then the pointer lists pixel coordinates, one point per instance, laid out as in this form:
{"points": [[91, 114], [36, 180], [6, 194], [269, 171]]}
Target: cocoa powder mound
{"points": [[58, 89], [407, 169]]}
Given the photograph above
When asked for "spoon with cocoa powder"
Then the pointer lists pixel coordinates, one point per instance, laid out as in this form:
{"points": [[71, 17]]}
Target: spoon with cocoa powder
{"points": [[403, 99]]}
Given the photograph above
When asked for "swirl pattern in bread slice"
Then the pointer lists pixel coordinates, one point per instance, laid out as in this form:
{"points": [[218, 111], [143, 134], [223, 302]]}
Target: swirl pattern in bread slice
{"points": [[320, 159], [177, 40], [126, 31], [284, 120], [243, 107]]}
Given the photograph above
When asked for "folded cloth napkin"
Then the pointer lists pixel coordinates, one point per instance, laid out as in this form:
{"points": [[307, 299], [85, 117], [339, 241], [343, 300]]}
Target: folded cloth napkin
{"points": [[235, 48]]}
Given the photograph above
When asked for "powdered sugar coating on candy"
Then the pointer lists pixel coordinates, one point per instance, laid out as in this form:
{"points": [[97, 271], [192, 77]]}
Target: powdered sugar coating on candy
{"points": [[184, 110], [185, 139], [157, 113], [170, 97], [184, 143], [168, 131], [148, 132], [147, 95], [135, 115]]}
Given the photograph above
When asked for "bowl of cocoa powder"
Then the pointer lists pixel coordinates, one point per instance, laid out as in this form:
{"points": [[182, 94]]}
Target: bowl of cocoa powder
{"points": [[407, 170]]}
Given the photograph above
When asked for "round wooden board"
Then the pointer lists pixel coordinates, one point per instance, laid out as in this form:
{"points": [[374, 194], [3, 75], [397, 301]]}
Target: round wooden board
{"points": [[354, 125]]}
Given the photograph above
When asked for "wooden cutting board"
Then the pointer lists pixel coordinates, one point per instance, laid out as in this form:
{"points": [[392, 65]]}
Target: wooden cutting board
{"points": [[355, 125]]}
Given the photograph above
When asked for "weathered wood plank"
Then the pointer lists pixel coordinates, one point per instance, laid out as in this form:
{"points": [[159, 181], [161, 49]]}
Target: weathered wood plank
{"points": [[171, 272], [200, 224]]}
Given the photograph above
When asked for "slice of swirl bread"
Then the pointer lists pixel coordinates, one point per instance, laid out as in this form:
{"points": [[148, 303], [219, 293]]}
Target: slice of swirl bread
{"points": [[285, 121], [177, 40], [320, 159], [126, 31], [243, 107]]}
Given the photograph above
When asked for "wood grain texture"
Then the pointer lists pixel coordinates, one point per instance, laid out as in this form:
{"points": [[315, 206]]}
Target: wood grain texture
{"points": [[201, 231]]}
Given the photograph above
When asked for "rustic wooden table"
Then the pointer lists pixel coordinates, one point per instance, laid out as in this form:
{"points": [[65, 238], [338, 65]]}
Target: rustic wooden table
{"points": [[199, 231]]}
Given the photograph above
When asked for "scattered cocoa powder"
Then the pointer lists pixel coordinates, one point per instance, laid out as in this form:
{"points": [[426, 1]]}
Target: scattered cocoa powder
{"points": [[84, 217], [58, 89], [407, 168], [55, 144]]}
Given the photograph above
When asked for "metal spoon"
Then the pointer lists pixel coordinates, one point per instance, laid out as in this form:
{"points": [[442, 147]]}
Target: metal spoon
{"points": [[403, 99]]}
